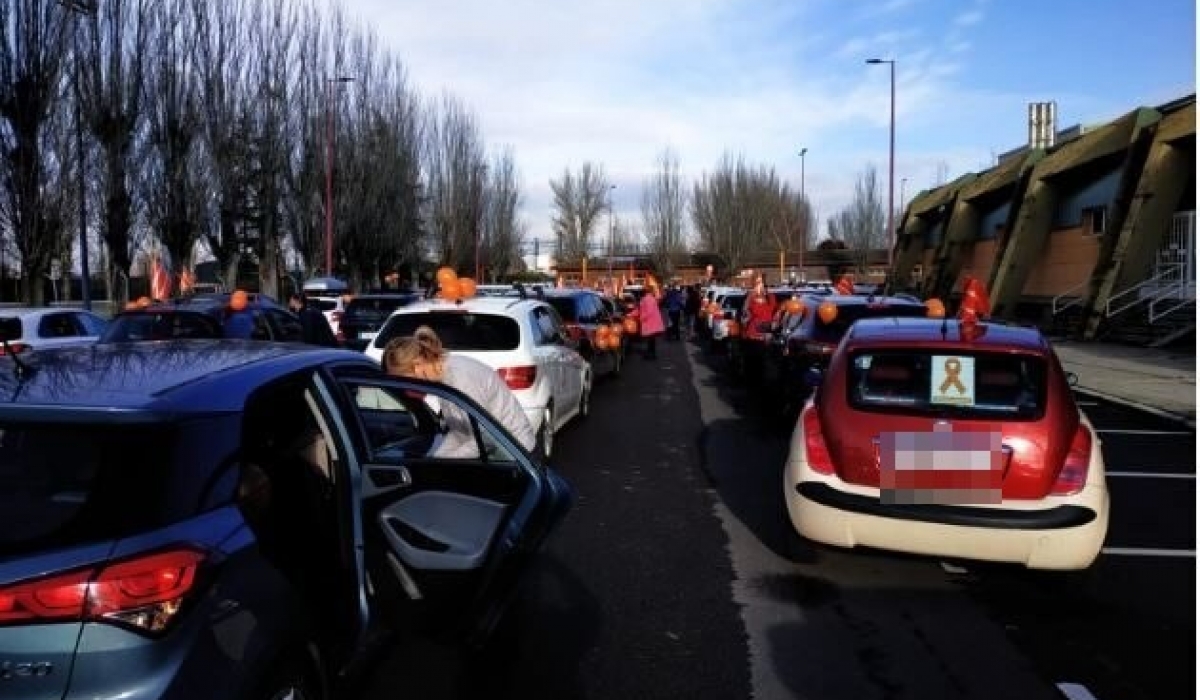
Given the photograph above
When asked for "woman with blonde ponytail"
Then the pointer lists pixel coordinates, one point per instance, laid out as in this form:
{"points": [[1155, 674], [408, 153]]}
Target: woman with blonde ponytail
{"points": [[422, 356]]}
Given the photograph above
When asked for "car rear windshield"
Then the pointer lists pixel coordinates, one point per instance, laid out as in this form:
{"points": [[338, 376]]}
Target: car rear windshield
{"points": [[847, 314], [62, 485], [459, 330], [128, 328], [324, 304], [950, 382], [373, 309]]}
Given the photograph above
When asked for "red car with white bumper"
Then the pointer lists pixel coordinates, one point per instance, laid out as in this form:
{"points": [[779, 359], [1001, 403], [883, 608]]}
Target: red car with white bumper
{"points": [[928, 437]]}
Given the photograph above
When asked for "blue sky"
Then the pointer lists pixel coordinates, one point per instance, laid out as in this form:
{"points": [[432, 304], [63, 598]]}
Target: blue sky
{"points": [[616, 81]]}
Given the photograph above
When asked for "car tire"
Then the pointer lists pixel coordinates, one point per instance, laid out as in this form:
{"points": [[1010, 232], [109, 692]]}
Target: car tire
{"points": [[545, 438]]}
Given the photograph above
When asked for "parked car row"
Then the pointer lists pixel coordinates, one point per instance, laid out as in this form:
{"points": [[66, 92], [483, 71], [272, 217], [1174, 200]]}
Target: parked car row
{"points": [[184, 515], [948, 437]]}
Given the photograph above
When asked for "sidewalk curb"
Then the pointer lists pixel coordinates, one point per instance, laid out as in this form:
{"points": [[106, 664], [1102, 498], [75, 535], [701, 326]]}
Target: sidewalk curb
{"points": [[1153, 410]]}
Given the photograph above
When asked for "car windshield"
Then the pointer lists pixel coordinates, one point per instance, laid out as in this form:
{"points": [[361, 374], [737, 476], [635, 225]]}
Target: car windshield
{"points": [[458, 330], [167, 325], [951, 382], [373, 309], [62, 485], [324, 304]]}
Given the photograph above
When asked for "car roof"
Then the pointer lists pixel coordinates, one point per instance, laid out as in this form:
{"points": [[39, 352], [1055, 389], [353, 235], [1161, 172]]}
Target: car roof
{"points": [[864, 299], [153, 380], [498, 305], [908, 330]]}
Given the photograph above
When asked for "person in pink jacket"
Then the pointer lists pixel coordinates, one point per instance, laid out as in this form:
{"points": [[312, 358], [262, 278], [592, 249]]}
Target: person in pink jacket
{"points": [[650, 321]]}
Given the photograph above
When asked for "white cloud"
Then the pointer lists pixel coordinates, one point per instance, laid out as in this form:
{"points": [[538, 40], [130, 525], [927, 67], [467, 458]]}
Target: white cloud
{"points": [[616, 82]]}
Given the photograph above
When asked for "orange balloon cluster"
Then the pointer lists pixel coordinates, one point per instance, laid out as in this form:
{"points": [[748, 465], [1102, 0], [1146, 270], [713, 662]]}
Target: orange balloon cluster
{"points": [[631, 325], [453, 287]]}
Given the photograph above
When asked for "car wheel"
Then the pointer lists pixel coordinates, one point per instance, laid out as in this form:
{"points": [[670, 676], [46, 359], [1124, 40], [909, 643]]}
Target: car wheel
{"points": [[545, 439]]}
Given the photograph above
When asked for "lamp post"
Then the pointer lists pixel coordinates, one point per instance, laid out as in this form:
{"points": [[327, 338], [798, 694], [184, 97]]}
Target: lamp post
{"points": [[81, 8], [804, 235], [610, 235], [903, 181], [329, 83], [891, 155]]}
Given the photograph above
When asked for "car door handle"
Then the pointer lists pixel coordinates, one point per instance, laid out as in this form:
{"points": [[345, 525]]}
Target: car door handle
{"points": [[385, 478]]}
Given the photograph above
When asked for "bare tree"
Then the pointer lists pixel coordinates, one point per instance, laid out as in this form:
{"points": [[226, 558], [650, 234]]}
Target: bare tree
{"points": [[221, 49], [171, 184], [861, 224], [503, 232], [32, 49], [663, 206], [113, 88], [579, 200], [455, 169]]}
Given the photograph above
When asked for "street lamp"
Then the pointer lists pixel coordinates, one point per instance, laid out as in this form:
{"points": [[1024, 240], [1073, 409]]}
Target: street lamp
{"points": [[891, 155], [82, 8], [903, 181], [610, 236], [803, 203], [329, 82]]}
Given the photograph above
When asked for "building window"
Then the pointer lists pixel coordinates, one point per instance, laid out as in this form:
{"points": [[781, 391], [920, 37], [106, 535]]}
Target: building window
{"points": [[1095, 221]]}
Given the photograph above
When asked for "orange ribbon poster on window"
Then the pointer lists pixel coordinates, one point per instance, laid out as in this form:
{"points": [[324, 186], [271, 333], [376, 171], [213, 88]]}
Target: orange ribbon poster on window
{"points": [[953, 380]]}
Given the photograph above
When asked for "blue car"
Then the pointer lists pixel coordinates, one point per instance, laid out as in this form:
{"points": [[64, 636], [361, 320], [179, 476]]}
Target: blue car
{"points": [[236, 519]]}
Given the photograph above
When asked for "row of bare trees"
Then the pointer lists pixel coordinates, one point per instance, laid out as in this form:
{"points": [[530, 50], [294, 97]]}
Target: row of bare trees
{"points": [[218, 130]]}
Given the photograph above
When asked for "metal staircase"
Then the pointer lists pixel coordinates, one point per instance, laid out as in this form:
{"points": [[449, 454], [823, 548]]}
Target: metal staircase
{"points": [[1162, 309]]}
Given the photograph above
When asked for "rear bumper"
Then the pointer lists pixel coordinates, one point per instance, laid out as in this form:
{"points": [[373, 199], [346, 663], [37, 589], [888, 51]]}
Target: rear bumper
{"points": [[1065, 533]]}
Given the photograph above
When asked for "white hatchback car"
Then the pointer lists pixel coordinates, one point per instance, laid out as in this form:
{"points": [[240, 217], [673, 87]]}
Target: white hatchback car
{"points": [[522, 338], [52, 327]]}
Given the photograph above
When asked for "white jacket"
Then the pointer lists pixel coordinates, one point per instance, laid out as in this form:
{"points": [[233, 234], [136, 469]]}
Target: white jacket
{"points": [[483, 384]]}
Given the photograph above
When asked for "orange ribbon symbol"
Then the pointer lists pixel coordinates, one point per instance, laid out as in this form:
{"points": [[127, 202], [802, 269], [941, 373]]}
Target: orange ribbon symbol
{"points": [[953, 369]]}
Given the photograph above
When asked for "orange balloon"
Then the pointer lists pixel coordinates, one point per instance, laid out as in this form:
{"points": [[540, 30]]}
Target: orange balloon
{"points": [[631, 325], [143, 302], [828, 311], [795, 307], [733, 329], [616, 329], [450, 289], [934, 308], [600, 343], [446, 274], [603, 332], [466, 286], [239, 300]]}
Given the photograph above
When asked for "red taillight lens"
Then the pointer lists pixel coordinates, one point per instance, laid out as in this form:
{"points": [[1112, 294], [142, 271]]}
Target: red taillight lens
{"points": [[1075, 467], [518, 377], [814, 442], [145, 592], [14, 347], [59, 597]]}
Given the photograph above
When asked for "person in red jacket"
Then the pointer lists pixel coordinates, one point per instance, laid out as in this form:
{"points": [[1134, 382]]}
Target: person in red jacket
{"points": [[760, 309]]}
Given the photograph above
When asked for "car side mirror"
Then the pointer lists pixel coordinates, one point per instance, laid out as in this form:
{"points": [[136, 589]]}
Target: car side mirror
{"points": [[1072, 379], [813, 377]]}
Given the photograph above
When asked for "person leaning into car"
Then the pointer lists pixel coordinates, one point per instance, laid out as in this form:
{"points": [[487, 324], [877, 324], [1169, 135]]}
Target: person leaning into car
{"points": [[421, 356]]}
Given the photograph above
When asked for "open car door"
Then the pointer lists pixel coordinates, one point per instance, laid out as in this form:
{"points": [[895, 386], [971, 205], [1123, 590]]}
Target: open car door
{"points": [[451, 507]]}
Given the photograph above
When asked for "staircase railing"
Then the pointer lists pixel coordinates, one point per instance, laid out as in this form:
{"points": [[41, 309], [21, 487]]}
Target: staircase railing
{"points": [[1177, 295], [1170, 274], [1057, 305]]}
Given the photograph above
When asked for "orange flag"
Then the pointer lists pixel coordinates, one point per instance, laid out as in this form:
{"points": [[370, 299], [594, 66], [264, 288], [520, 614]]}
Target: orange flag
{"points": [[160, 281], [975, 299]]}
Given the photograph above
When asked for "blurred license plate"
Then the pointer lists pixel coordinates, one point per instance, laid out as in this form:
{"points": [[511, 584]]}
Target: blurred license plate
{"points": [[367, 336]]}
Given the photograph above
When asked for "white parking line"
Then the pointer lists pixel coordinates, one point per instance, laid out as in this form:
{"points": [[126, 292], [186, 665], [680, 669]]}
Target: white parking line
{"points": [[1149, 552], [1124, 431], [1149, 475], [1075, 691]]}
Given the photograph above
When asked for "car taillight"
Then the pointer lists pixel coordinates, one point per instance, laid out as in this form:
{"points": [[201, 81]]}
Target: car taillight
{"points": [[518, 377], [144, 593], [814, 442], [1075, 467], [14, 347]]}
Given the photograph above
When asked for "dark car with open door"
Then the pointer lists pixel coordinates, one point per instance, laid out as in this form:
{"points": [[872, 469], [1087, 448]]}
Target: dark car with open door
{"points": [[207, 519]]}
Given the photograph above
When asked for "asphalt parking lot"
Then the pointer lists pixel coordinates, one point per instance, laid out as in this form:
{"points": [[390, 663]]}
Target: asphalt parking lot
{"points": [[1126, 629]]}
